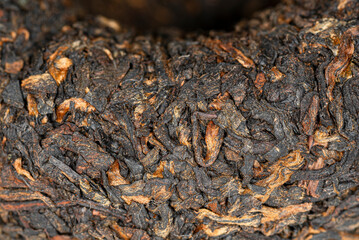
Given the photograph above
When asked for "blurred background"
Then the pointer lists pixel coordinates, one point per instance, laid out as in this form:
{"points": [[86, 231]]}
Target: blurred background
{"points": [[184, 14]]}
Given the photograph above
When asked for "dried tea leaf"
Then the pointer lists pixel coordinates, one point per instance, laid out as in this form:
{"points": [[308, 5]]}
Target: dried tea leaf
{"points": [[340, 62], [58, 69], [109, 23], [32, 106], [25, 195], [275, 215], [14, 67], [281, 171], [114, 175], [309, 112], [246, 220], [90, 193], [79, 104], [216, 231], [322, 138], [275, 75], [274, 220], [184, 133], [213, 141], [20, 170], [39, 84], [238, 55], [127, 233], [160, 168], [312, 185], [140, 199], [260, 81], [172, 135]]}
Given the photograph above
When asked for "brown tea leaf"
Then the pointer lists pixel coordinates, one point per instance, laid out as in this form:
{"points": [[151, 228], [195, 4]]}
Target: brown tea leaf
{"points": [[275, 214], [39, 84], [260, 81], [126, 233], [246, 220], [312, 185], [238, 55], [218, 231], [14, 67], [281, 171], [140, 199], [114, 175], [32, 106], [20, 170], [79, 104], [58, 69], [340, 62], [213, 141]]}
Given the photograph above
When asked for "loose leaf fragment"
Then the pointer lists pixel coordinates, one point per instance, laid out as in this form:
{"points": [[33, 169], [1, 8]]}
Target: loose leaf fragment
{"points": [[217, 231], [311, 185], [281, 171], [39, 84], [275, 214], [274, 220], [20, 170], [323, 138], [79, 104], [340, 62], [127, 233], [238, 55], [25, 195], [310, 108], [246, 220], [114, 175], [32, 106], [214, 139], [14, 67], [58, 69], [139, 198], [260, 81]]}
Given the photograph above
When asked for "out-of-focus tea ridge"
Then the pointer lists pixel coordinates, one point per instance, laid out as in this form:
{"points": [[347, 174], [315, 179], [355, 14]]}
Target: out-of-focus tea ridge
{"points": [[185, 14]]}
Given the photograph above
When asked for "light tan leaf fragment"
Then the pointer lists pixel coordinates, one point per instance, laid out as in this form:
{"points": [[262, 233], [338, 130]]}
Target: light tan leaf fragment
{"points": [[342, 4], [260, 81], [32, 106], [342, 61], [114, 175], [20, 170], [213, 141], [62, 237], [39, 84], [238, 55], [109, 23], [89, 193], [139, 199], [158, 173], [277, 214], [14, 67], [323, 138], [275, 75], [127, 233], [217, 103], [79, 104], [58, 69], [246, 220], [217, 231], [281, 171], [183, 133]]}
